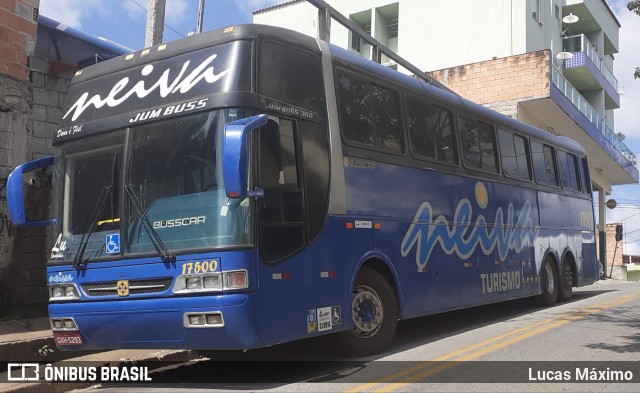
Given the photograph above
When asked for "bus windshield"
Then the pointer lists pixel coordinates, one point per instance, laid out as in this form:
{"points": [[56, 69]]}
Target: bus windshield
{"points": [[170, 169]]}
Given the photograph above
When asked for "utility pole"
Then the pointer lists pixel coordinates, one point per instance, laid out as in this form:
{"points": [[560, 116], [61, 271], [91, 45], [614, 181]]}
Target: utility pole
{"points": [[155, 22], [200, 17]]}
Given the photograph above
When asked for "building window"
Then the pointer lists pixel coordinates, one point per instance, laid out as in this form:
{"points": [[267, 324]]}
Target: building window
{"points": [[537, 12]]}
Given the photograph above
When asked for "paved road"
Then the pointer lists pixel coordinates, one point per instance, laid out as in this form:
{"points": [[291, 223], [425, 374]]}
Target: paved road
{"points": [[515, 346]]}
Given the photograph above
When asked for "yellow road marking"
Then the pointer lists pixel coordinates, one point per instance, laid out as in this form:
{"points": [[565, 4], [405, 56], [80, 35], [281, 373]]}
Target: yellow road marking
{"points": [[540, 327]]}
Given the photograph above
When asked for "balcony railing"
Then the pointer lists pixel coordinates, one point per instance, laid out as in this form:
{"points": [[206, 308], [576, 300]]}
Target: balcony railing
{"points": [[586, 109], [580, 43]]}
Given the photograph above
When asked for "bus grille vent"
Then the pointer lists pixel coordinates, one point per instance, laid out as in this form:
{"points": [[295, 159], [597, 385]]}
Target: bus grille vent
{"points": [[136, 287]]}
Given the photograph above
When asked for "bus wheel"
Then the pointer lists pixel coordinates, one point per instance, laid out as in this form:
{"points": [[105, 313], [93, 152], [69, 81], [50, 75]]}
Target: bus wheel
{"points": [[565, 287], [374, 314], [549, 278]]}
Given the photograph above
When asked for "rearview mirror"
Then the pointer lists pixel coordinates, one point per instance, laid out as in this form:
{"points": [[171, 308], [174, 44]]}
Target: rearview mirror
{"points": [[16, 196], [235, 153]]}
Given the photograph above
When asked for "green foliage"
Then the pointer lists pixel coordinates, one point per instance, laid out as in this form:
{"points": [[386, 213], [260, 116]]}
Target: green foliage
{"points": [[45, 350], [634, 6]]}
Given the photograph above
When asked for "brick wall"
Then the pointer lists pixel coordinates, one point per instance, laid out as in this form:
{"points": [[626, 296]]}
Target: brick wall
{"points": [[501, 83], [611, 246], [18, 27]]}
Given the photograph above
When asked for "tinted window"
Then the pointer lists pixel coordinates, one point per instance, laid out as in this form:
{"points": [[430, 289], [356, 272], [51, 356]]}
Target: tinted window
{"points": [[291, 75], [355, 114], [513, 152], [386, 118], [586, 181], [568, 167], [277, 156], [431, 131], [369, 114], [478, 143], [544, 163]]}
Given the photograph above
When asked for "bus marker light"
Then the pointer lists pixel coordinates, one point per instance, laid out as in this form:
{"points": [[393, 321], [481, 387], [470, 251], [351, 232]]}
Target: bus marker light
{"points": [[236, 279], [377, 225], [280, 276], [349, 225], [327, 274], [468, 264]]}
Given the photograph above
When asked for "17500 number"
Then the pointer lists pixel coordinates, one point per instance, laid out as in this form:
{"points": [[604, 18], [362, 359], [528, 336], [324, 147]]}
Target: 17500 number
{"points": [[199, 267]]}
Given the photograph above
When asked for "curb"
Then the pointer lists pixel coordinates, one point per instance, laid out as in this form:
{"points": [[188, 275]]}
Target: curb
{"points": [[28, 351]]}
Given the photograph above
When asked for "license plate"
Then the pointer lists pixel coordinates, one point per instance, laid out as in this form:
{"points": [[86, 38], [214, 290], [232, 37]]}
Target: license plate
{"points": [[67, 338]]}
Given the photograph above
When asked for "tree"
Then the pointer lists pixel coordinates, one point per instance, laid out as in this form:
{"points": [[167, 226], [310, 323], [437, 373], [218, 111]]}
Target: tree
{"points": [[634, 6]]}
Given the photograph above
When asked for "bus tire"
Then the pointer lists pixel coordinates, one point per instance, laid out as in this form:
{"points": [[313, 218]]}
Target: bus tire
{"points": [[565, 285], [549, 282], [374, 315]]}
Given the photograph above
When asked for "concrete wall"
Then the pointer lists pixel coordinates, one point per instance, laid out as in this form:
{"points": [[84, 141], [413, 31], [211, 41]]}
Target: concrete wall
{"points": [[506, 27], [31, 103]]}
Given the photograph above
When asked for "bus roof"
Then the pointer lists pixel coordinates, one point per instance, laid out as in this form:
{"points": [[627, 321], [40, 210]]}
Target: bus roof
{"points": [[252, 31], [448, 98]]}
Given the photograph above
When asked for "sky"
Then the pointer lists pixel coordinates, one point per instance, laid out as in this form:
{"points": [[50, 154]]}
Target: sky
{"points": [[123, 21]]}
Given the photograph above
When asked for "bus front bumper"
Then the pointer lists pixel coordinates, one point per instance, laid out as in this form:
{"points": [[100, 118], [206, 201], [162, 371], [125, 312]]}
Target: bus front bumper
{"points": [[223, 322]]}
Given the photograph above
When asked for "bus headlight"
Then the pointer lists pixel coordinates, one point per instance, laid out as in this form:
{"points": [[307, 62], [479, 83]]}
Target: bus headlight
{"points": [[211, 282], [194, 283], [208, 282], [63, 292]]}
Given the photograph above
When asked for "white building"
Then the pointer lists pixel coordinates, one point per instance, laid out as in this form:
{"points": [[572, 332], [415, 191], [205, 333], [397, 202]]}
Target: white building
{"points": [[546, 62]]}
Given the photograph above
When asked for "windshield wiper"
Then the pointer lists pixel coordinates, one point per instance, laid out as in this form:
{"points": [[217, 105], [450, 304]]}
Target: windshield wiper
{"points": [[153, 235], [78, 263]]}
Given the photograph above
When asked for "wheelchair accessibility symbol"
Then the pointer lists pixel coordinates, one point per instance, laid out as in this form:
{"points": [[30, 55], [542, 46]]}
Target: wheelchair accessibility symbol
{"points": [[113, 243]]}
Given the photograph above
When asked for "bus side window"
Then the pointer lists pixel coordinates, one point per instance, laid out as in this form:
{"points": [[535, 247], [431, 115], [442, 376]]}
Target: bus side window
{"points": [[431, 131], [514, 155], [369, 113], [356, 124], [544, 163], [568, 170], [478, 142], [584, 174], [386, 118]]}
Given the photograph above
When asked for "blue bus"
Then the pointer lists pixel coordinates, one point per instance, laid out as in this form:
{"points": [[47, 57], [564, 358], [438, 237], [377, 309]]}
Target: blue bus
{"points": [[251, 186]]}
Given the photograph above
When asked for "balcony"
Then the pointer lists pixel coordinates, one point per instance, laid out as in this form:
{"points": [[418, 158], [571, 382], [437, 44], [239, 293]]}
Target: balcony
{"points": [[594, 118], [587, 70]]}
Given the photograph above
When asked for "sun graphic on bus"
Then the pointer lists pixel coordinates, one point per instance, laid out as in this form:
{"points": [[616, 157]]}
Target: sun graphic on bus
{"points": [[482, 196]]}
